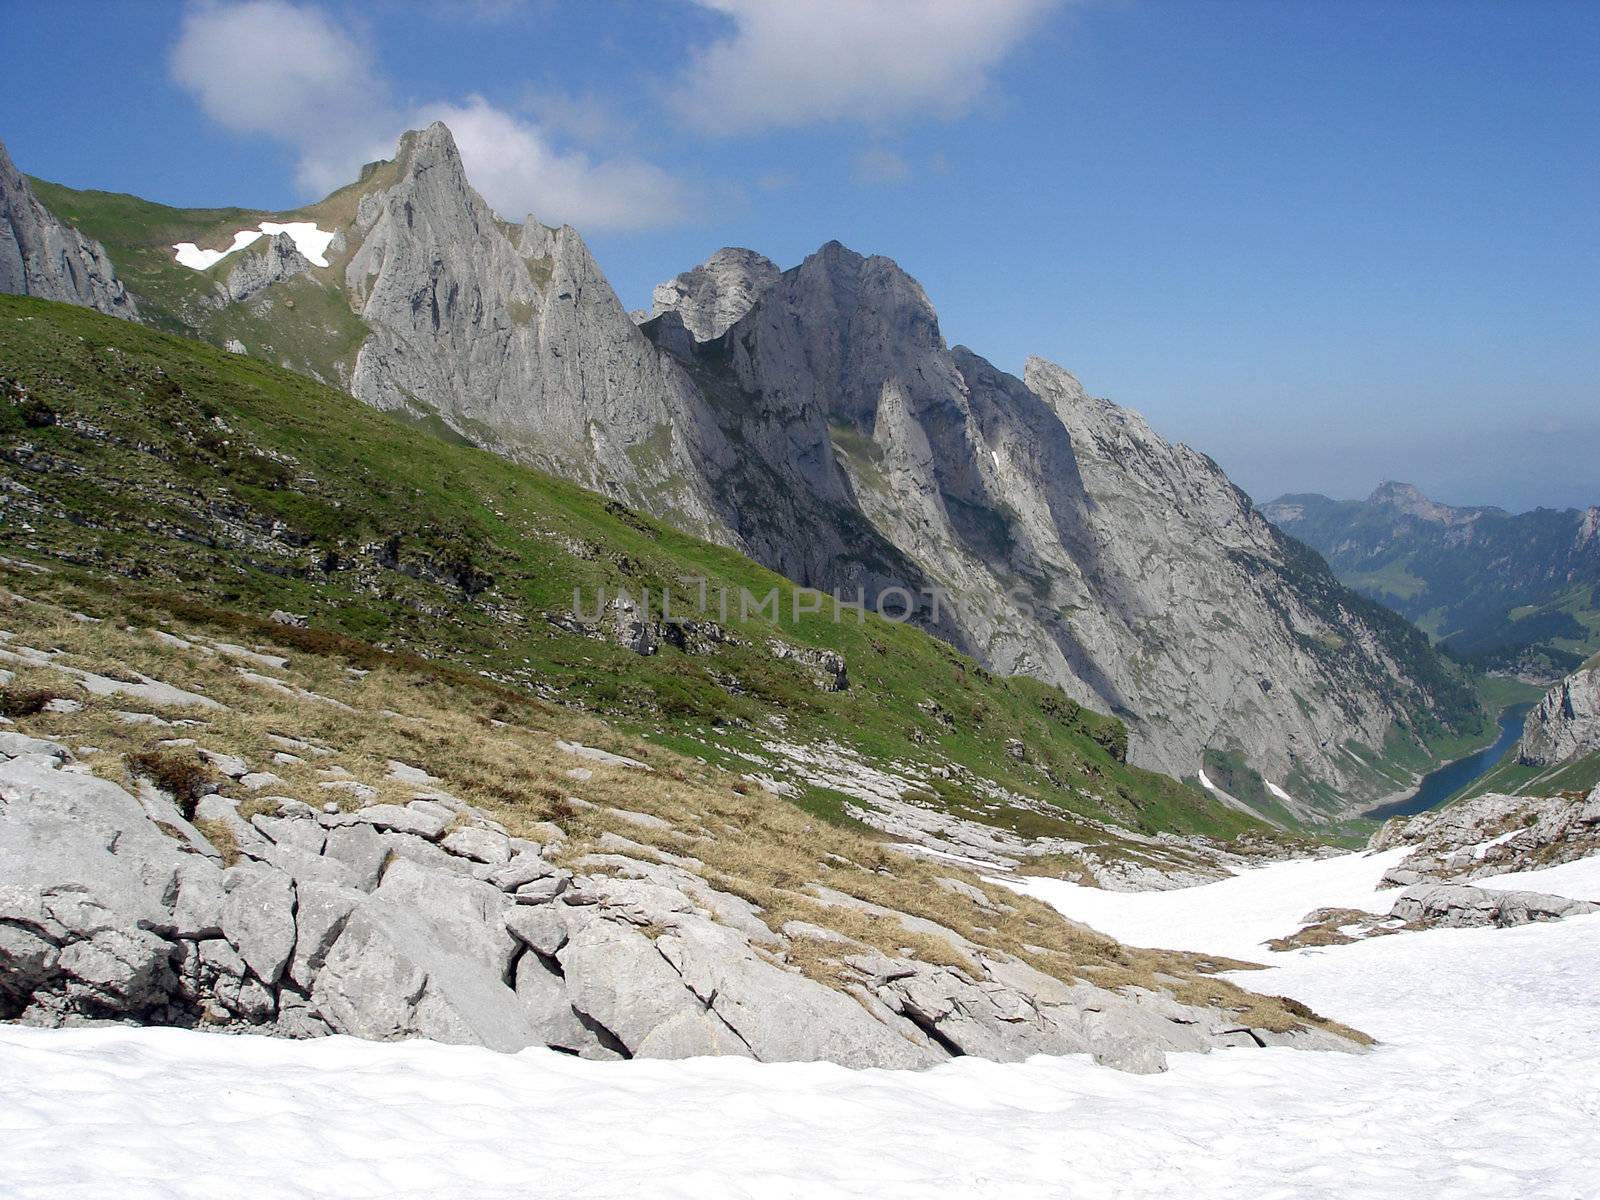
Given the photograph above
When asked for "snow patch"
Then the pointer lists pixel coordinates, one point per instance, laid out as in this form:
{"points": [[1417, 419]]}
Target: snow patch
{"points": [[1278, 792], [1233, 916], [1575, 880], [308, 239]]}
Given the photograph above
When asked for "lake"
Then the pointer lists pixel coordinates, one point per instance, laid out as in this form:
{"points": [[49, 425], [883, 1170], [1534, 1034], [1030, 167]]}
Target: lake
{"points": [[1440, 785]]}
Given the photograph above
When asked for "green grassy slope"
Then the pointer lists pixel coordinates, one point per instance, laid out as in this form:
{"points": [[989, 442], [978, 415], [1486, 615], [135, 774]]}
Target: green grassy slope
{"points": [[304, 323], [204, 478]]}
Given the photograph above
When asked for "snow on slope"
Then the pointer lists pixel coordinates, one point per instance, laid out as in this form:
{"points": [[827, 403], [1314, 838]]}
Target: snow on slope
{"points": [[1484, 1086], [1233, 916], [1579, 880], [308, 239]]}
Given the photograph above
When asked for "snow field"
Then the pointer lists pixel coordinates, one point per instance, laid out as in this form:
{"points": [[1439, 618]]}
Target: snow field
{"points": [[1484, 1085]]}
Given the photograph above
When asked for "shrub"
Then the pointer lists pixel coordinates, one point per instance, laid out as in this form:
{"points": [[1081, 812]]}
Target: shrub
{"points": [[182, 776], [23, 702]]}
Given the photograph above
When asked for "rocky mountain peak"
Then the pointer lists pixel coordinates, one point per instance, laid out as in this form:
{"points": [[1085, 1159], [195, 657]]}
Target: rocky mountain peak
{"points": [[1405, 498], [512, 336], [832, 333], [1060, 389], [711, 297], [424, 149]]}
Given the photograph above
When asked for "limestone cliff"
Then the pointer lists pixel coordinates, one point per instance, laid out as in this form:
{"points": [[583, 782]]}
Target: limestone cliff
{"points": [[514, 338], [714, 295], [1071, 541], [1565, 724], [40, 256]]}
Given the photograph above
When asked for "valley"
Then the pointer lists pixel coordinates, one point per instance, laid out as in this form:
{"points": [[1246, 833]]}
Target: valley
{"points": [[464, 735]]}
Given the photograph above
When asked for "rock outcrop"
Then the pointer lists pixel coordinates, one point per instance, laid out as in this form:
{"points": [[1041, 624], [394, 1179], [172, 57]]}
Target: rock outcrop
{"points": [[258, 268], [427, 919], [711, 297], [1461, 906], [1491, 835], [1565, 724], [40, 256]]}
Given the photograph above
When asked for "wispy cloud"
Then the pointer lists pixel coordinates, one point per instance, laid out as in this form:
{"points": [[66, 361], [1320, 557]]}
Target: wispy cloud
{"points": [[876, 164], [785, 64], [291, 72]]}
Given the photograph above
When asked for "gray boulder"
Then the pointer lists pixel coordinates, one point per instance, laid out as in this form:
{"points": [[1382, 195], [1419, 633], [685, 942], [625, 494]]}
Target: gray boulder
{"points": [[1461, 906], [542, 993], [781, 1015], [617, 978], [425, 955], [258, 917]]}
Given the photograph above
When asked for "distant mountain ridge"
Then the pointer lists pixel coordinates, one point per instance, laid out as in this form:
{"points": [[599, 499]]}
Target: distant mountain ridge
{"points": [[829, 432], [1517, 592]]}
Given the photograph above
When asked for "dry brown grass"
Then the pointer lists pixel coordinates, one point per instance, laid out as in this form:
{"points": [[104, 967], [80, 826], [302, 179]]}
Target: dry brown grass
{"points": [[497, 751]]}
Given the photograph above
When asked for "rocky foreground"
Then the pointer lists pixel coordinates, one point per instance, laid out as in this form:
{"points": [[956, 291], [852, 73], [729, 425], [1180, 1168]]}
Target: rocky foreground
{"points": [[1482, 1084], [428, 920], [239, 847]]}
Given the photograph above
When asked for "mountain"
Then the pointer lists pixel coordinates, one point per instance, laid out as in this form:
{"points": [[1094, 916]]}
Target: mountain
{"points": [[206, 483], [1074, 543], [39, 256], [714, 295], [1516, 593], [830, 433]]}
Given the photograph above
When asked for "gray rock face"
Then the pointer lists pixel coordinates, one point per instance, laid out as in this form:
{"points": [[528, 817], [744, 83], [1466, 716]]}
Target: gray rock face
{"points": [[426, 955], [277, 259], [1072, 542], [39, 256], [1461, 906], [104, 915], [616, 975], [258, 918], [711, 297], [1491, 835], [514, 338], [1566, 722]]}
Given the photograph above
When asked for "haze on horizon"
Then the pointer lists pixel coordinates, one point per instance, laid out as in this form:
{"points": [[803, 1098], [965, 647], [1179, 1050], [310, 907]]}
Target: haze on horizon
{"points": [[1326, 245]]}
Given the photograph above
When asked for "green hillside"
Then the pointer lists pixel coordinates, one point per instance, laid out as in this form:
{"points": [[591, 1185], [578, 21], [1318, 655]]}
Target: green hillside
{"points": [[1499, 591], [201, 481], [305, 324]]}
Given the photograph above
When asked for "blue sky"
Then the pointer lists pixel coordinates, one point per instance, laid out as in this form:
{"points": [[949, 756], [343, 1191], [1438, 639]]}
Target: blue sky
{"points": [[1325, 243]]}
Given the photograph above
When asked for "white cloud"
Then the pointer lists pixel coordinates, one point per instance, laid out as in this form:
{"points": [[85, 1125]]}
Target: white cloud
{"points": [[289, 71], [878, 165], [786, 64], [514, 167]]}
